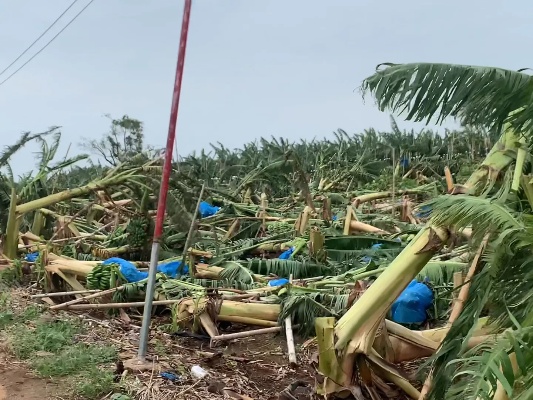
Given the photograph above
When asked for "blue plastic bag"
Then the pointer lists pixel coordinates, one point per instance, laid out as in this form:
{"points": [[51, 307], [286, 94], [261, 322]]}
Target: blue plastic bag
{"points": [[132, 274], [207, 210], [169, 376], [171, 269], [412, 304], [367, 259], [31, 257], [127, 269], [286, 254], [278, 282]]}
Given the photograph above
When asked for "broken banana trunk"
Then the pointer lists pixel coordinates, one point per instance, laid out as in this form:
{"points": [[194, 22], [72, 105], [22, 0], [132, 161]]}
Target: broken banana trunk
{"points": [[349, 346]]}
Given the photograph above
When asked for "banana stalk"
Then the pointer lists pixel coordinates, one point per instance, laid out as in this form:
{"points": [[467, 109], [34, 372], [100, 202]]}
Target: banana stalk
{"points": [[519, 166], [370, 309], [12, 229]]}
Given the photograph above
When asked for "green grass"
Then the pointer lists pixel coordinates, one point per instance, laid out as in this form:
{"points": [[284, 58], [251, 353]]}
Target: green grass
{"points": [[93, 383], [74, 359], [53, 337], [52, 350], [10, 276]]}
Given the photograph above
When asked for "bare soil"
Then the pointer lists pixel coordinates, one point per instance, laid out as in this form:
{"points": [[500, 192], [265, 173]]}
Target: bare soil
{"points": [[253, 368], [17, 383]]}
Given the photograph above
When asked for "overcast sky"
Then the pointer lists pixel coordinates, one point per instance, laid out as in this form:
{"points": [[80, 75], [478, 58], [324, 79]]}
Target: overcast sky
{"points": [[253, 68]]}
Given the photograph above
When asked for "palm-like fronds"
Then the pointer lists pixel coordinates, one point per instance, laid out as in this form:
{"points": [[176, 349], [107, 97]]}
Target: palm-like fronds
{"points": [[485, 214], [233, 271], [303, 307], [511, 268], [479, 370], [224, 284], [286, 268], [23, 140], [440, 273], [478, 95], [459, 333], [503, 285]]}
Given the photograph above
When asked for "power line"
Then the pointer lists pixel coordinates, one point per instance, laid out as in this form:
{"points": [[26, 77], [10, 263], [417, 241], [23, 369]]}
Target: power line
{"points": [[36, 40], [47, 44]]}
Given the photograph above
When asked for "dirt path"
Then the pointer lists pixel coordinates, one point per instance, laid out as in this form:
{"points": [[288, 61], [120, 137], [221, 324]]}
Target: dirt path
{"points": [[17, 383]]}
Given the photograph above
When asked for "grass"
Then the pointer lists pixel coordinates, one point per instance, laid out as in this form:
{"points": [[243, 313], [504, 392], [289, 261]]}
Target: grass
{"points": [[52, 350]]}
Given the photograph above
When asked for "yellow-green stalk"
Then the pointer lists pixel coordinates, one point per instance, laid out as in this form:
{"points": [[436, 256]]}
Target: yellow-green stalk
{"points": [[371, 308], [12, 229]]}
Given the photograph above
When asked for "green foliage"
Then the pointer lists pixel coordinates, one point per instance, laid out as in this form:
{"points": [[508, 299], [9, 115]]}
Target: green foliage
{"points": [[478, 370], [124, 141], [286, 268], [486, 215], [93, 383], [351, 249], [479, 96], [339, 168], [483, 96], [501, 287], [348, 162], [233, 271], [12, 275], [73, 359], [48, 337], [52, 349], [304, 305], [8, 317]]}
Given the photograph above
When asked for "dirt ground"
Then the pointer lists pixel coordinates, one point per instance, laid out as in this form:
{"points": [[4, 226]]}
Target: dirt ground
{"points": [[255, 368], [252, 368], [17, 383]]}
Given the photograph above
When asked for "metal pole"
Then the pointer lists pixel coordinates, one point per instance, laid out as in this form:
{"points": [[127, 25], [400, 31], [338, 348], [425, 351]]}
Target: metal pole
{"points": [[191, 229], [167, 168]]}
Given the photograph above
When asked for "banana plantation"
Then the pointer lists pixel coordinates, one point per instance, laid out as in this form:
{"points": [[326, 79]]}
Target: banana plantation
{"points": [[374, 252]]}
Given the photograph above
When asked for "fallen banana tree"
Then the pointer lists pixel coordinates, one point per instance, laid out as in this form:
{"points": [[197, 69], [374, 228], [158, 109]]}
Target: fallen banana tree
{"points": [[350, 343]]}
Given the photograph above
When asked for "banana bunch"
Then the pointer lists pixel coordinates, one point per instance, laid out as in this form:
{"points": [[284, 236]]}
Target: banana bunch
{"points": [[276, 227], [103, 277], [116, 238], [137, 231], [406, 237]]}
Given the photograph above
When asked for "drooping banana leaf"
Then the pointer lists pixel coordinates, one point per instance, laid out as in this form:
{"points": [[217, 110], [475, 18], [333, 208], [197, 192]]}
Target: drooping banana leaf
{"points": [[358, 243], [304, 306], [286, 268]]}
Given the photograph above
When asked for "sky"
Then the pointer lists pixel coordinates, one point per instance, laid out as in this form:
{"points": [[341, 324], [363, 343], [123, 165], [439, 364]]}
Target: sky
{"points": [[253, 68]]}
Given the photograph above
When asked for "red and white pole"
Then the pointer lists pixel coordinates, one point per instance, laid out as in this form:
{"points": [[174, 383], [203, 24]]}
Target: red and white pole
{"points": [[162, 200]]}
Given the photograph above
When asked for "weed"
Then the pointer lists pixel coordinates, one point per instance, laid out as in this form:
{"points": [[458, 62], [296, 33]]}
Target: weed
{"points": [[74, 359], [60, 354], [30, 313], [8, 317], [49, 337], [93, 383], [4, 300], [12, 275], [159, 348]]}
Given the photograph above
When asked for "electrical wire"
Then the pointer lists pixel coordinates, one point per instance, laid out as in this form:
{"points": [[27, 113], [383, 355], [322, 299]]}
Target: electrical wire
{"points": [[36, 40], [47, 44]]}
